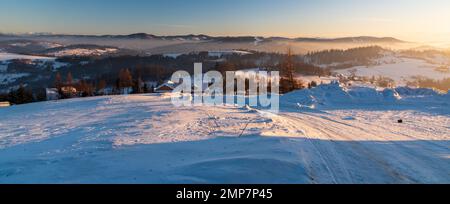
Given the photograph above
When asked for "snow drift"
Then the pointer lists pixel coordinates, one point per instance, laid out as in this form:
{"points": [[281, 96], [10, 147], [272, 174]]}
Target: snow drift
{"points": [[335, 95]]}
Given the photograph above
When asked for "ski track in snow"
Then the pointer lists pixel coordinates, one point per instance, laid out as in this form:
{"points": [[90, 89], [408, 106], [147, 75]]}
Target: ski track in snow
{"points": [[144, 139]]}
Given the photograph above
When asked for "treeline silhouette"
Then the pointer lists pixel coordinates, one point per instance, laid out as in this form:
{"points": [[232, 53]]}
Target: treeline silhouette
{"points": [[21, 95], [424, 82], [361, 55]]}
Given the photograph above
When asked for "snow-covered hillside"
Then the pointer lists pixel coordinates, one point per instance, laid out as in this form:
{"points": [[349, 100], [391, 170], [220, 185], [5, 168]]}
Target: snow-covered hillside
{"points": [[40, 60], [8, 78], [227, 52], [218, 54], [83, 52], [402, 69], [10, 56], [144, 139]]}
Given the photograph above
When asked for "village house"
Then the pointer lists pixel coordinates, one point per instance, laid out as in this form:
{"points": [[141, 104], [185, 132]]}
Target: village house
{"points": [[166, 87], [106, 91], [169, 86], [51, 94], [126, 90], [69, 91], [4, 104]]}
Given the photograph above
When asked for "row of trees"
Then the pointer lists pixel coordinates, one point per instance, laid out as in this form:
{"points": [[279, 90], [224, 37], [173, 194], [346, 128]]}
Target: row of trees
{"points": [[119, 81], [126, 80], [69, 87], [124, 83], [423, 82], [356, 55], [20, 95]]}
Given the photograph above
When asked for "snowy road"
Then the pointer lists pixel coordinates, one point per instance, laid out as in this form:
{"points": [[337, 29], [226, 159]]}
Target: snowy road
{"points": [[144, 139], [348, 151]]}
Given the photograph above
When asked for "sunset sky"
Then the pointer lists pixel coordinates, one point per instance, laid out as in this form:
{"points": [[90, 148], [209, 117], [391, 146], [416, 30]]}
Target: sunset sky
{"points": [[412, 20]]}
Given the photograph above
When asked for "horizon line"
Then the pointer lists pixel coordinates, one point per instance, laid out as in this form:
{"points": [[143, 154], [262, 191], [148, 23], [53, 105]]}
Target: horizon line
{"points": [[200, 34]]}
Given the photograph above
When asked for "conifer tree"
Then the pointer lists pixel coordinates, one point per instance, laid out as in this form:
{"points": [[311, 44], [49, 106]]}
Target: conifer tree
{"points": [[69, 79], [288, 82], [58, 81]]}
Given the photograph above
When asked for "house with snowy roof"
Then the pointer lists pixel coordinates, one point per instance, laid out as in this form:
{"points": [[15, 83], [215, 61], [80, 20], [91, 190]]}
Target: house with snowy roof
{"points": [[52, 94], [166, 87], [4, 104]]}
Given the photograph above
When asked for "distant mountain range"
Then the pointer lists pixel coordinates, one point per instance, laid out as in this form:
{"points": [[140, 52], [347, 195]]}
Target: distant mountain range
{"points": [[192, 37], [49, 44]]}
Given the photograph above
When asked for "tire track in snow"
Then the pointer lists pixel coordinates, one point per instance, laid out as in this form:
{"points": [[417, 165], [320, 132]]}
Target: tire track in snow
{"points": [[402, 159], [415, 162], [332, 130], [332, 158], [336, 172]]}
